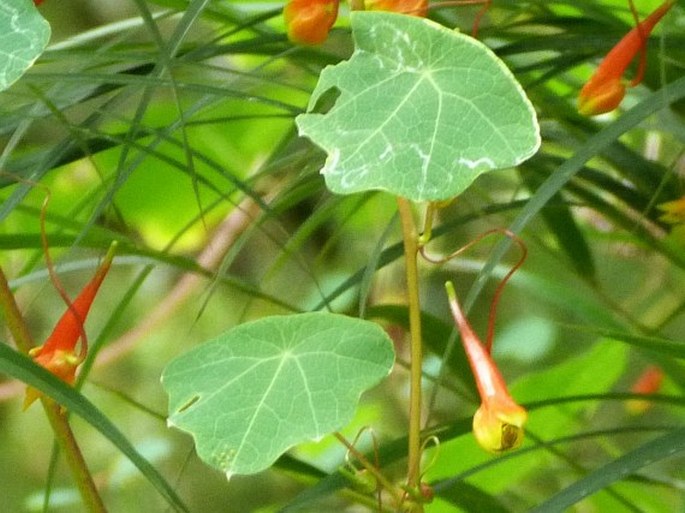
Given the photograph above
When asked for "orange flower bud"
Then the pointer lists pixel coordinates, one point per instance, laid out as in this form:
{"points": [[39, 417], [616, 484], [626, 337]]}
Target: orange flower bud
{"points": [[412, 7], [602, 98], [59, 354], [606, 88], [498, 423], [309, 21]]}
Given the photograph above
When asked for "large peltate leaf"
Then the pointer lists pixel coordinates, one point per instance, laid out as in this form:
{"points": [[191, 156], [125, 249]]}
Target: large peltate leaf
{"points": [[264, 386], [24, 34], [422, 111]]}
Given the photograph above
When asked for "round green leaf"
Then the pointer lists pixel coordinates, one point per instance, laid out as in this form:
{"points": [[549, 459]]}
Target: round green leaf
{"points": [[264, 386], [24, 34], [422, 111]]}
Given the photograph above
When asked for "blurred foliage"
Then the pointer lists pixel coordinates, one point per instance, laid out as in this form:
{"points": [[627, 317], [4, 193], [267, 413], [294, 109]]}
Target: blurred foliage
{"points": [[168, 125]]}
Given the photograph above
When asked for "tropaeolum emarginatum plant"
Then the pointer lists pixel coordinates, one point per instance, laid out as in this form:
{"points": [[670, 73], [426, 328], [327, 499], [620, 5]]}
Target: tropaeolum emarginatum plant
{"points": [[498, 422], [606, 88], [66, 347], [421, 112], [61, 354]]}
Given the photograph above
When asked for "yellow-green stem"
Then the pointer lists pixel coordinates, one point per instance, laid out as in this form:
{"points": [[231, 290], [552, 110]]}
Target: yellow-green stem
{"points": [[72, 454], [57, 418], [411, 250], [13, 318], [427, 232], [382, 480]]}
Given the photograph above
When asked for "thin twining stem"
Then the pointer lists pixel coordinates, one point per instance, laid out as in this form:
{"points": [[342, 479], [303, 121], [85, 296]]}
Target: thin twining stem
{"points": [[498, 292]]}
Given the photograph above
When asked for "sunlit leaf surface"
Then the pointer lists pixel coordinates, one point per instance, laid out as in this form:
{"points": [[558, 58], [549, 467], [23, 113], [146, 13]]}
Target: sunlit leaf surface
{"points": [[264, 386], [422, 111]]}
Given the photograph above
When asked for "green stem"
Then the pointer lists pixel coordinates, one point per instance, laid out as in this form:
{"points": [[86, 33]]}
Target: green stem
{"points": [[56, 416], [427, 232], [382, 480], [411, 250], [72, 454], [13, 317]]}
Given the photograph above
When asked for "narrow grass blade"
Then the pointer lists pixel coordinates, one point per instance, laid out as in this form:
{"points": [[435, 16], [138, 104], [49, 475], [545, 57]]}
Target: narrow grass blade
{"points": [[594, 146], [21, 367], [661, 448]]}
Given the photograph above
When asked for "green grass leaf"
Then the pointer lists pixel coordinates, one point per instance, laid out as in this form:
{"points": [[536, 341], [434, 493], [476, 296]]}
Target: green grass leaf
{"points": [[422, 111], [264, 386], [21, 367], [471, 498], [594, 146], [658, 449]]}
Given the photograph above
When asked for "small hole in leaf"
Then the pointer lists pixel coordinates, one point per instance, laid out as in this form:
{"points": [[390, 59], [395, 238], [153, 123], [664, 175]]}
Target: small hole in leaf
{"points": [[188, 404], [326, 101]]}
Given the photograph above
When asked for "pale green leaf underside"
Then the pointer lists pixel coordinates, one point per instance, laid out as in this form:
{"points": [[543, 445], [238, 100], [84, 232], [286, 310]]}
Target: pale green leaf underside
{"points": [[24, 34], [264, 386], [422, 111]]}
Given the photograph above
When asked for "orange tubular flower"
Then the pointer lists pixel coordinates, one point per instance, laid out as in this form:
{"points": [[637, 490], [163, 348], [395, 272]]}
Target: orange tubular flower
{"points": [[606, 88], [649, 382], [309, 21], [412, 7], [498, 423], [59, 354]]}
